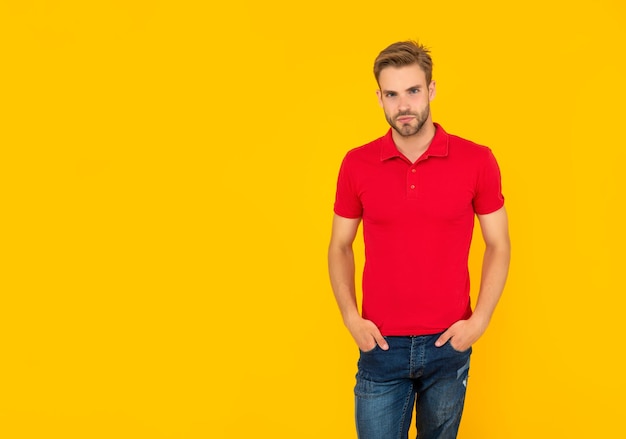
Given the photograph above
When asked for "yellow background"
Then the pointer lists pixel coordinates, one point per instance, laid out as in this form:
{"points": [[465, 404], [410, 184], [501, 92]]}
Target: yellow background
{"points": [[167, 176]]}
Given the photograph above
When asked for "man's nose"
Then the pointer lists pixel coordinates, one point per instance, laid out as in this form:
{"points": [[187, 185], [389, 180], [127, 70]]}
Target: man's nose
{"points": [[403, 104]]}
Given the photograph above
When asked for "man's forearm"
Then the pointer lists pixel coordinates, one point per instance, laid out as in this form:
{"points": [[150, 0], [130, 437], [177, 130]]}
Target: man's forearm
{"points": [[341, 270], [494, 273]]}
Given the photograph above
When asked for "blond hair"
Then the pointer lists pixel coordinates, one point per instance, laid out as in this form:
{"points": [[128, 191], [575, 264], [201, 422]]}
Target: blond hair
{"points": [[405, 53]]}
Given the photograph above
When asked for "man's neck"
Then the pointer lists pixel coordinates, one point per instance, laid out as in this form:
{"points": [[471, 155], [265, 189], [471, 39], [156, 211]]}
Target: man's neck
{"points": [[414, 146]]}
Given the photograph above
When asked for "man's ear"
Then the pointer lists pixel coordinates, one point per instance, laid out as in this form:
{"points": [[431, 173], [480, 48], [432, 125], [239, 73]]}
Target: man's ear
{"points": [[432, 90], [379, 94]]}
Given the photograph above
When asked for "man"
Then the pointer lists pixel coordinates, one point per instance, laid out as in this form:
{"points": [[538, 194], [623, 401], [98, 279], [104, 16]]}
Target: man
{"points": [[416, 190]]}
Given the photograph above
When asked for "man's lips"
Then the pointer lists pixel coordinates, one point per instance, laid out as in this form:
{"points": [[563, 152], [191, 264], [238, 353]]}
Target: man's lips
{"points": [[405, 119]]}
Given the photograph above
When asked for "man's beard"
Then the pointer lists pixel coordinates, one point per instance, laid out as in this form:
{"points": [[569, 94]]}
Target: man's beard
{"points": [[409, 129]]}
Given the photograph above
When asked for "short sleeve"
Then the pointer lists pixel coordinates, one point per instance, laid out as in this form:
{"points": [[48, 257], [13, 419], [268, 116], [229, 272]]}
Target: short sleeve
{"points": [[347, 201], [488, 195]]}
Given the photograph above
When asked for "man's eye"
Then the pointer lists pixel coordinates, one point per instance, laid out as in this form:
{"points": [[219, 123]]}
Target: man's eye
{"points": [[414, 90], [390, 95]]}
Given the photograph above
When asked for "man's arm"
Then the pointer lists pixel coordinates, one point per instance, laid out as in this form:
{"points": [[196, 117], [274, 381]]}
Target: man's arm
{"points": [[341, 270], [495, 230]]}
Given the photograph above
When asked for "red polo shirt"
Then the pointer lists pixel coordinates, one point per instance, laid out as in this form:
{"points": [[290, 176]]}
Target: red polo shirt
{"points": [[418, 220]]}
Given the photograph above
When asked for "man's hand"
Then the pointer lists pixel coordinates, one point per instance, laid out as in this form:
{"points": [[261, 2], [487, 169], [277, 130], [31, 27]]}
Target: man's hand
{"points": [[462, 334], [366, 334]]}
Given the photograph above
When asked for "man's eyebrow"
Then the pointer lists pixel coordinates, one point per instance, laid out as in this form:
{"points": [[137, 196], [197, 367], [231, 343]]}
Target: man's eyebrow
{"points": [[413, 87]]}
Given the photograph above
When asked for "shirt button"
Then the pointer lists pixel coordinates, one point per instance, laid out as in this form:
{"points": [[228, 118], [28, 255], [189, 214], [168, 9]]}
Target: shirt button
{"points": [[412, 186], [414, 170]]}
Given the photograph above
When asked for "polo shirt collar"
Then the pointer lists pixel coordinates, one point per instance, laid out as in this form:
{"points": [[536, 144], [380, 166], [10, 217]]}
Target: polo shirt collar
{"points": [[438, 146]]}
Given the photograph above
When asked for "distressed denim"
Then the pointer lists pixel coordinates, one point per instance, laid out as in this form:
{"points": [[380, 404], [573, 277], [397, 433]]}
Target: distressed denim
{"points": [[413, 373]]}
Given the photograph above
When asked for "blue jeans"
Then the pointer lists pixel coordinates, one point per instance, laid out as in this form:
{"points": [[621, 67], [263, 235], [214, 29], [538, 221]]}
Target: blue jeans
{"points": [[413, 372]]}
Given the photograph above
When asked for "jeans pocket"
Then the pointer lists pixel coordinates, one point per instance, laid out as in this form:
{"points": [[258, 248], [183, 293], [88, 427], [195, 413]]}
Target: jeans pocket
{"points": [[374, 349], [449, 343]]}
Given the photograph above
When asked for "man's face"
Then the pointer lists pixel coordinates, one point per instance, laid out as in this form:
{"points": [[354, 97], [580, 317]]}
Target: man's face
{"points": [[405, 98]]}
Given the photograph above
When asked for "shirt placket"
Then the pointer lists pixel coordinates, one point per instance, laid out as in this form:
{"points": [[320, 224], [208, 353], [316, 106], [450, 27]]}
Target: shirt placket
{"points": [[411, 182]]}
